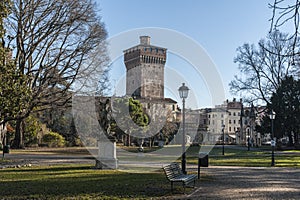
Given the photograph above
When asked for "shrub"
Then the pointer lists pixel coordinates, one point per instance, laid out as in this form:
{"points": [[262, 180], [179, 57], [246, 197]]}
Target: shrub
{"points": [[32, 128], [53, 139]]}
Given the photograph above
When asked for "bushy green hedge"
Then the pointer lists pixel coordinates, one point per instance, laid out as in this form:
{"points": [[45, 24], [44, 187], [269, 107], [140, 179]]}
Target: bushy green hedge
{"points": [[53, 139], [32, 128]]}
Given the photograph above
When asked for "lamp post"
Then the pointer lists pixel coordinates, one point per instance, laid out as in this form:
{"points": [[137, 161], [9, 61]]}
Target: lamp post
{"points": [[223, 149], [248, 140], [272, 117], [252, 120], [183, 93]]}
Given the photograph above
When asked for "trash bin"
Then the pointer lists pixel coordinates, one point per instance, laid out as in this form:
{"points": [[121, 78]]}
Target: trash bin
{"points": [[6, 149], [203, 159]]}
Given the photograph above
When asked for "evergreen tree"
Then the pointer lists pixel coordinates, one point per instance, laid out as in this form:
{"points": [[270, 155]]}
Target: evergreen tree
{"points": [[14, 92], [131, 118], [286, 104]]}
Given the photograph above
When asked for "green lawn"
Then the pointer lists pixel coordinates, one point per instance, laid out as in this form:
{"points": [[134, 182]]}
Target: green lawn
{"points": [[256, 157], [81, 182]]}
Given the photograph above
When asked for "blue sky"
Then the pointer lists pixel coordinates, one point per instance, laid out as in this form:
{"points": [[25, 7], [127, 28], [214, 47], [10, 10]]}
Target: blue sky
{"points": [[218, 26]]}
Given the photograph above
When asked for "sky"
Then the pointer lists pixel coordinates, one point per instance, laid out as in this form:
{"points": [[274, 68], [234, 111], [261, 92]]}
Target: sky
{"points": [[219, 27]]}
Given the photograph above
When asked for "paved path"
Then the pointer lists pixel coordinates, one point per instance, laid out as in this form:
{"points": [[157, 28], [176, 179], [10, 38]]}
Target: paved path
{"points": [[248, 183]]}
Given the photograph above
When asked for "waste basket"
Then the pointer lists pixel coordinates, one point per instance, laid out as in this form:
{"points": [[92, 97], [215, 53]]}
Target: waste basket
{"points": [[6, 149], [202, 161]]}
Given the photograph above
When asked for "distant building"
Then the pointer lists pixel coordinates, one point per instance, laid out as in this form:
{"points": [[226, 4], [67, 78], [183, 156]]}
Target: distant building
{"points": [[225, 117], [145, 65]]}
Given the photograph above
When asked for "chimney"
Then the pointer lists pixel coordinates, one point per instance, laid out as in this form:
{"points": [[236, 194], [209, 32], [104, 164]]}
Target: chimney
{"points": [[145, 40]]}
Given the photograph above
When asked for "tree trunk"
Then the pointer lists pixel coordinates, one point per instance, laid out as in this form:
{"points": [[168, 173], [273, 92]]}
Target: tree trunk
{"points": [[296, 138], [18, 142], [290, 139], [3, 135], [128, 140]]}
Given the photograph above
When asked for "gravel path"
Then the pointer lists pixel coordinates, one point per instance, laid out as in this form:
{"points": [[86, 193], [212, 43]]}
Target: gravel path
{"points": [[248, 183]]}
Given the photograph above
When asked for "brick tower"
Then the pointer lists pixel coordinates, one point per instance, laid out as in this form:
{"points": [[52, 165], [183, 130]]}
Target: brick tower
{"points": [[145, 65]]}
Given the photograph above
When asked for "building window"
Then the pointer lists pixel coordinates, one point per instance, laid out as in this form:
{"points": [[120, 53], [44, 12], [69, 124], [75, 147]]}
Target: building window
{"points": [[233, 121], [229, 128], [229, 113], [229, 121], [234, 114]]}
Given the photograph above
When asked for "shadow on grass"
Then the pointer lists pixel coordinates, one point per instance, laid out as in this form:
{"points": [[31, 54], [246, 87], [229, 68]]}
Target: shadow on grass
{"points": [[81, 182]]}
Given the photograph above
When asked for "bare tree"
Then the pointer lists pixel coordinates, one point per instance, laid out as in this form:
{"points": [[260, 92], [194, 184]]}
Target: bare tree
{"points": [[57, 44], [286, 14], [262, 68]]}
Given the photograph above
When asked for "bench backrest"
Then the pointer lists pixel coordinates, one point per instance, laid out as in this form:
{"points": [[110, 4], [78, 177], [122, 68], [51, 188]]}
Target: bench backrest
{"points": [[172, 170]]}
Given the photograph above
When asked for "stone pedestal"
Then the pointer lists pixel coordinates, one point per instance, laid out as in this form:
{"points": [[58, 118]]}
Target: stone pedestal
{"points": [[107, 156]]}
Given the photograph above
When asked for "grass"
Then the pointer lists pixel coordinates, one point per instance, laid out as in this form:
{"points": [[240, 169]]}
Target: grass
{"points": [[81, 182], [256, 157], [66, 150]]}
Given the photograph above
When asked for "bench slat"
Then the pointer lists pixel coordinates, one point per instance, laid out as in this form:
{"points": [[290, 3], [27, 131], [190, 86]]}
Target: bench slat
{"points": [[174, 174]]}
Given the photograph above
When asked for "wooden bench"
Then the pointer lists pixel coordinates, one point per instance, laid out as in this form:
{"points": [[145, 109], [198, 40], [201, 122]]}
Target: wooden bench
{"points": [[174, 174]]}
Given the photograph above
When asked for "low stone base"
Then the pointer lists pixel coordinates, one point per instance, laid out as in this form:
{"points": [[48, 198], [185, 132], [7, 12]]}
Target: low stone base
{"points": [[106, 163]]}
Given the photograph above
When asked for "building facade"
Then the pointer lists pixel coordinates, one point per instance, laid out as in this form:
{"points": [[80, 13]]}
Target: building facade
{"points": [[145, 65], [225, 119]]}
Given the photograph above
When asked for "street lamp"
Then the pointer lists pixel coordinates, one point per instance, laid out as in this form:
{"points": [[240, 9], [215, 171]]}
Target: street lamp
{"points": [[223, 150], [272, 117], [183, 93], [248, 140], [252, 120]]}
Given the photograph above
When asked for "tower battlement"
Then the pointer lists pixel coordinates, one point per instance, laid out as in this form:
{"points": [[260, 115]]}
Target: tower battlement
{"points": [[145, 65]]}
